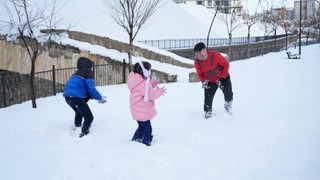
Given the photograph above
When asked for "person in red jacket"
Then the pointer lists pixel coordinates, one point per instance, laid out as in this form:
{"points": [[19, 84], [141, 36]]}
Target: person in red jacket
{"points": [[213, 71]]}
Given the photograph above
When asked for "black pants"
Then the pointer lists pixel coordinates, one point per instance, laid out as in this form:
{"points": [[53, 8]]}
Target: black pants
{"points": [[143, 133], [211, 91], [82, 110]]}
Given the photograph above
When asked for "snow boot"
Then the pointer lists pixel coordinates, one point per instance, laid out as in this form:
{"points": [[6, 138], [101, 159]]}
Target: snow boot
{"points": [[208, 114], [83, 134], [228, 106]]}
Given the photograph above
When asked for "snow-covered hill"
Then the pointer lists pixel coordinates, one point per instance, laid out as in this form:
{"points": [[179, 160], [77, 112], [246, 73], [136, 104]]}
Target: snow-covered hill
{"points": [[171, 21]]}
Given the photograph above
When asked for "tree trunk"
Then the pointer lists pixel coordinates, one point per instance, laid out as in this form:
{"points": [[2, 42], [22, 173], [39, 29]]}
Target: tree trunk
{"points": [[130, 52], [33, 50], [286, 40], [229, 50], [130, 59], [295, 45], [248, 44], [275, 41], [263, 51], [314, 33], [33, 92], [308, 34]]}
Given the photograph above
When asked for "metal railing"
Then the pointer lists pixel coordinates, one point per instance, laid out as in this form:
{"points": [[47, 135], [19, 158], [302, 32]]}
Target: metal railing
{"points": [[189, 43]]}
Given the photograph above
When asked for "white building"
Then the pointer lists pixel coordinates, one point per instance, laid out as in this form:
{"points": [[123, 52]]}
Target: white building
{"points": [[308, 9], [225, 6]]}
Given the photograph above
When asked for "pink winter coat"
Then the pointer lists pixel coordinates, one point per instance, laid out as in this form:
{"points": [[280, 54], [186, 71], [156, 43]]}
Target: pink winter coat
{"points": [[141, 110]]}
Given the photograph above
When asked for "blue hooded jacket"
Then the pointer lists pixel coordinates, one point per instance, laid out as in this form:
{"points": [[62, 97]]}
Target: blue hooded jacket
{"points": [[81, 83]]}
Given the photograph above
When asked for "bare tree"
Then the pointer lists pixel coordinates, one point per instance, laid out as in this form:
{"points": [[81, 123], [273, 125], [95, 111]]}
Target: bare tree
{"points": [[275, 18], [131, 15], [25, 21], [287, 26], [249, 21], [232, 22], [265, 25]]}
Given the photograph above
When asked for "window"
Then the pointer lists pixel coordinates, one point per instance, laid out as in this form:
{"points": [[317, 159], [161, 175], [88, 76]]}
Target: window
{"points": [[226, 3], [199, 3]]}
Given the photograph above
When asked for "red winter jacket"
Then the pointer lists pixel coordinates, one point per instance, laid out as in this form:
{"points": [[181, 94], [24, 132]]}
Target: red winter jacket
{"points": [[213, 68]]}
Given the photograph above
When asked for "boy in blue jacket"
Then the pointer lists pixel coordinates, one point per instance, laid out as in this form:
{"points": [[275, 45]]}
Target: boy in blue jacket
{"points": [[77, 92]]}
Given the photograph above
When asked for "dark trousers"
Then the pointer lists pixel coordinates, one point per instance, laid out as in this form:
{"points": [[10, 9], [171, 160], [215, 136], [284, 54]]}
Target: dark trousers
{"points": [[82, 110], [143, 133], [211, 91]]}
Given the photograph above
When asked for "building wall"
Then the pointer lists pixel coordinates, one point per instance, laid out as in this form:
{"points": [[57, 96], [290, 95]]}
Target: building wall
{"points": [[14, 57], [289, 15], [308, 9]]}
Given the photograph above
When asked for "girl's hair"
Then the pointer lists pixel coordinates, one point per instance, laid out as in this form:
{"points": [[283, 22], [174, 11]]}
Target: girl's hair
{"points": [[138, 69]]}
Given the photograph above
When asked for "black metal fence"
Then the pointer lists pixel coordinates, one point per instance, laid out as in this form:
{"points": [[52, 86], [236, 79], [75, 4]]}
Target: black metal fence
{"points": [[15, 88], [258, 50], [189, 43]]}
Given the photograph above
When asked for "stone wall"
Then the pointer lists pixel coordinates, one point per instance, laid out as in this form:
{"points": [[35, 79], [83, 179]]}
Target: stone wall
{"points": [[14, 57], [121, 47]]}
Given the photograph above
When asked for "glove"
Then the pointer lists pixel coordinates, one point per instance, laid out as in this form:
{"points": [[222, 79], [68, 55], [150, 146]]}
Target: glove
{"points": [[220, 83], [102, 100], [205, 84]]}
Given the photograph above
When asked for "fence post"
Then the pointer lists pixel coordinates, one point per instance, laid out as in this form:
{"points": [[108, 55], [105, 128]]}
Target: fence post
{"points": [[54, 80], [94, 70], [3, 89], [124, 71]]}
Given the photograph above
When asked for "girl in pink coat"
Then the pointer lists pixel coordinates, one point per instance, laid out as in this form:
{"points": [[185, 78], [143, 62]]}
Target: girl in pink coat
{"points": [[143, 93]]}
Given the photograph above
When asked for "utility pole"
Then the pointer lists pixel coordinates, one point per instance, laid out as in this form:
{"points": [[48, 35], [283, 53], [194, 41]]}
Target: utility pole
{"points": [[300, 27], [208, 36]]}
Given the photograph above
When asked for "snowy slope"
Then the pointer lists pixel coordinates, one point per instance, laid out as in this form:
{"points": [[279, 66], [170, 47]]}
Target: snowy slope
{"points": [[171, 21]]}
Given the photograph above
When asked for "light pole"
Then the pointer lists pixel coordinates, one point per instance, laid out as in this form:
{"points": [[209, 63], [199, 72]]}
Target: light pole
{"points": [[208, 36], [300, 27]]}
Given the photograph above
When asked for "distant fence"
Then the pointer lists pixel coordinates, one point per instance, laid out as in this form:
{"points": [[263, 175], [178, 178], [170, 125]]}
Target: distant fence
{"points": [[189, 43], [15, 88], [257, 50]]}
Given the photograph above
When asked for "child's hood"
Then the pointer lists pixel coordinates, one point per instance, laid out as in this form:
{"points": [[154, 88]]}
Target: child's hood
{"points": [[134, 80], [84, 62]]}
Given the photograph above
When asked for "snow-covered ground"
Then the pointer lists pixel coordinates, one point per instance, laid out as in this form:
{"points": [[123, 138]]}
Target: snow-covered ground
{"points": [[273, 133]]}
